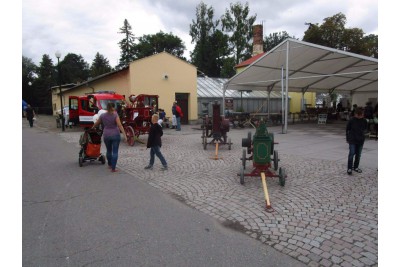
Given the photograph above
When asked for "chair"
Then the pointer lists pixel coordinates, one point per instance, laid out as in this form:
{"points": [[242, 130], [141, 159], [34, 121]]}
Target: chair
{"points": [[322, 118]]}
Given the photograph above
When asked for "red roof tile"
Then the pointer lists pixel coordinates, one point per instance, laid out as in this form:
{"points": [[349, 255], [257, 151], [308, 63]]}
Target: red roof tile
{"points": [[249, 61]]}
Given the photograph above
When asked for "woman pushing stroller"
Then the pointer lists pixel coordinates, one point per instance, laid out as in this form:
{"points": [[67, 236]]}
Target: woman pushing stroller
{"points": [[111, 131]]}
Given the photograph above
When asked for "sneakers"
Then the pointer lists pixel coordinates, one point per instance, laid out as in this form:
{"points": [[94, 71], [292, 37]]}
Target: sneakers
{"points": [[349, 172], [164, 168], [358, 170]]}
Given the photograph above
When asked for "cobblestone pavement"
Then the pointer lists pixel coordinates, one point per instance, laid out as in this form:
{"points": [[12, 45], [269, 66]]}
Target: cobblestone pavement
{"points": [[322, 217]]}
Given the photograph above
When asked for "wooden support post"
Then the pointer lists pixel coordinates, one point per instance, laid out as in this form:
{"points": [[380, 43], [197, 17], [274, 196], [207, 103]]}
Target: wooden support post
{"points": [[264, 183], [216, 151]]}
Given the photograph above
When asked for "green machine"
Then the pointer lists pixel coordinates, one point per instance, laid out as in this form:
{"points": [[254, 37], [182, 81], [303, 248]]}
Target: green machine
{"points": [[263, 156]]}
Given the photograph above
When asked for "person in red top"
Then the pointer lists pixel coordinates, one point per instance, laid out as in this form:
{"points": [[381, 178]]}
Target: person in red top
{"points": [[178, 115]]}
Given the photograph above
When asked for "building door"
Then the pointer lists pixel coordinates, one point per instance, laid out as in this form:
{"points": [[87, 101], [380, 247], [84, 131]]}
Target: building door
{"points": [[183, 102]]}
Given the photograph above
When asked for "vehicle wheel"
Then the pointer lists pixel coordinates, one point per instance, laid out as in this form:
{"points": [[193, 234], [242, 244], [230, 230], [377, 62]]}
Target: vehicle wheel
{"points": [[249, 137], [244, 159], [205, 143], [103, 159], [272, 143], [276, 160], [282, 176], [130, 135], [80, 161], [241, 175], [229, 144]]}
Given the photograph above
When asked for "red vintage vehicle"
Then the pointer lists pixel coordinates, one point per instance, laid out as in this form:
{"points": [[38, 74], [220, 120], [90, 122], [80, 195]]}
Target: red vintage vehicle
{"points": [[136, 115], [83, 108]]}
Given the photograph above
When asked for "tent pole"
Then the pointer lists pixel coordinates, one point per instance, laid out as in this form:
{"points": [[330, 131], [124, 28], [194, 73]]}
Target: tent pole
{"points": [[287, 84], [269, 102], [223, 99], [283, 107]]}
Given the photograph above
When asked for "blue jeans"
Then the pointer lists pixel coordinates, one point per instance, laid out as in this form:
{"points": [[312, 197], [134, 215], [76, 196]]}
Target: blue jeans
{"points": [[155, 150], [354, 150], [178, 123], [112, 145]]}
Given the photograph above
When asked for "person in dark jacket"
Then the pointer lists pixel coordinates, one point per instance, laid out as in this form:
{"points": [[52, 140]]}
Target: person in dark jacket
{"points": [[30, 114], [355, 136], [154, 143]]}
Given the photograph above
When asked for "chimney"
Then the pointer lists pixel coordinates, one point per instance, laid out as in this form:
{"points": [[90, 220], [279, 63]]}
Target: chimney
{"points": [[257, 40]]}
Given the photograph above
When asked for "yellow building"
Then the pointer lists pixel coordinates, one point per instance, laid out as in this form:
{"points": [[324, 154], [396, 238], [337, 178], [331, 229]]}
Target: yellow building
{"points": [[161, 74]]}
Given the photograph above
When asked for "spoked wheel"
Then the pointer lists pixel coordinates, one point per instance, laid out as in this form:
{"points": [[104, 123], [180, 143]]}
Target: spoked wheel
{"points": [[229, 144], [244, 159], [103, 159], [205, 142], [80, 161], [241, 175], [130, 135], [276, 160], [282, 176]]}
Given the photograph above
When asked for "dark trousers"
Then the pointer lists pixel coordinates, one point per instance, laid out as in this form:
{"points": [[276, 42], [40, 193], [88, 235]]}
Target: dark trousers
{"points": [[354, 154], [155, 150], [30, 119], [112, 145]]}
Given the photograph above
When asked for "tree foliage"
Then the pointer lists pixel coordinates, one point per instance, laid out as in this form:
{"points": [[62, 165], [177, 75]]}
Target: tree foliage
{"points": [[126, 45], [238, 24], [273, 39], [159, 42], [100, 65], [28, 76], [333, 33], [44, 82], [211, 49], [74, 69]]}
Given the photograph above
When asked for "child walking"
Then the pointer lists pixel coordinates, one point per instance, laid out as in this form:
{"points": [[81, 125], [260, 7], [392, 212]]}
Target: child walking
{"points": [[154, 143]]}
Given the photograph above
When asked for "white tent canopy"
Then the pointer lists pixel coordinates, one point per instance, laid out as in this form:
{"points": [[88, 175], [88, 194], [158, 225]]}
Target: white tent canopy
{"points": [[309, 68]]}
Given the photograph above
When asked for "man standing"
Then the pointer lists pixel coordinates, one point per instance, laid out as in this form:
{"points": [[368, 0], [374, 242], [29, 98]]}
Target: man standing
{"points": [[178, 115], [30, 114], [355, 136]]}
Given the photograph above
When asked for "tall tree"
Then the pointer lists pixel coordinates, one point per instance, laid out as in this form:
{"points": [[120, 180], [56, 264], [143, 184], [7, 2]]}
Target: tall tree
{"points": [[159, 42], [371, 43], [333, 33], [100, 65], [126, 45], [43, 83], [29, 75], [74, 69], [237, 22], [201, 30], [274, 39]]}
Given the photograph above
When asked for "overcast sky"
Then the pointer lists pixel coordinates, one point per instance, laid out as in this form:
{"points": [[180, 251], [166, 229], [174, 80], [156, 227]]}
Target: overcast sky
{"points": [[86, 27]]}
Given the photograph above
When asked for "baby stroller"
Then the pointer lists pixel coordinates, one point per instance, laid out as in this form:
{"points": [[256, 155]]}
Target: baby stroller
{"points": [[90, 142]]}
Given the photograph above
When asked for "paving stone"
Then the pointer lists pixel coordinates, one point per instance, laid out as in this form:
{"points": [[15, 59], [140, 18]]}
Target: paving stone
{"points": [[310, 217]]}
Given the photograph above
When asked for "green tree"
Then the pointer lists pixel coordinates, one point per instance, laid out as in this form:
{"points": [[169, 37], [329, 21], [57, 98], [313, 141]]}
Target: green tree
{"points": [[201, 31], [126, 45], [238, 24], [333, 33], [274, 39], [100, 65], [159, 42], [42, 85], [371, 45], [74, 69], [29, 75], [228, 68]]}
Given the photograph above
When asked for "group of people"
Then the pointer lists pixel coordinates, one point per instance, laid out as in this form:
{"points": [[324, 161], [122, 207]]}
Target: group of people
{"points": [[112, 127]]}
